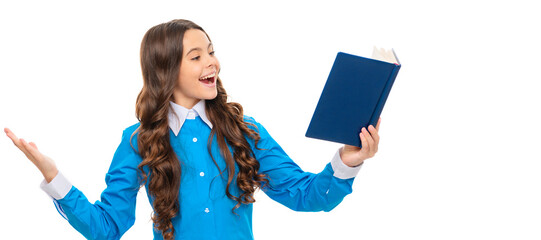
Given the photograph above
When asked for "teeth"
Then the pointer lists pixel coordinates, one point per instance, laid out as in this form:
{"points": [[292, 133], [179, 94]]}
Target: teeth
{"points": [[209, 76]]}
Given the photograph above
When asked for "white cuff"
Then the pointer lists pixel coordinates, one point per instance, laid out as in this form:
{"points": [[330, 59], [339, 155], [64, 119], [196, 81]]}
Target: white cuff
{"points": [[58, 188], [341, 170]]}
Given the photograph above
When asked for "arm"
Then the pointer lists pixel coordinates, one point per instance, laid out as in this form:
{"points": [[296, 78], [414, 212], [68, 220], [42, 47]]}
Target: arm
{"points": [[109, 218], [303, 191]]}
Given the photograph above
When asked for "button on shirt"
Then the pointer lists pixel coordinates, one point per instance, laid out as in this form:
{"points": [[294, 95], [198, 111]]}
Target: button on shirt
{"points": [[205, 210]]}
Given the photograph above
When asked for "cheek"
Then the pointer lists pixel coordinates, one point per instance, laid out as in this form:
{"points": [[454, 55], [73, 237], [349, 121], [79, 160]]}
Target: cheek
{"points": [[189, 75]]}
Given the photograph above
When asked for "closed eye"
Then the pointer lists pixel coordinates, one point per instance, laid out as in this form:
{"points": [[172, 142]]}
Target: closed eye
{"points": [[196, 58]]}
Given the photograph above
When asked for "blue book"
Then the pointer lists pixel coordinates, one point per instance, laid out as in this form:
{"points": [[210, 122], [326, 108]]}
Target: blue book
{"points": [[353, 96]]}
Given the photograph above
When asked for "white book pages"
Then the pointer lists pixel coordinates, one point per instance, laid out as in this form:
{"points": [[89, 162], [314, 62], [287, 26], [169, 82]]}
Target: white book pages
{"points": [[384, 55]]}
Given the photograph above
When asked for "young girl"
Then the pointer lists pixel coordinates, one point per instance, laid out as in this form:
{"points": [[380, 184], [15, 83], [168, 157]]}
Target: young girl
{"points": [[199, 158]]}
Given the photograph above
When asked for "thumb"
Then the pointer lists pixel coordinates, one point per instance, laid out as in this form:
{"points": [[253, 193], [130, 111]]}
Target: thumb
{"points": [[34, 145]]}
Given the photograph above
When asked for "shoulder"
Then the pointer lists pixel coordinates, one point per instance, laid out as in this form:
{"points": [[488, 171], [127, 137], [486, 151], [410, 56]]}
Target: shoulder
{"points": [[131, 129], [248, 119], [256, 126], [265, 144], [129, 135], [252, 123]]}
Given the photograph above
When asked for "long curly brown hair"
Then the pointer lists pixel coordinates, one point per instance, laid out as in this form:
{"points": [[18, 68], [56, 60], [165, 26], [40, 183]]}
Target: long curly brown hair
{"points": [[161, 55]]}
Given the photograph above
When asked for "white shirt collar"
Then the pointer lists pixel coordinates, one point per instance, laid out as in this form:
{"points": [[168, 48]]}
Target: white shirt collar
{"points": [[178, 114]]}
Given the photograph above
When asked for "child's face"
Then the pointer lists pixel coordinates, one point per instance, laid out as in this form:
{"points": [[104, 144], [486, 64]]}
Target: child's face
{"points": [[198, 70]]}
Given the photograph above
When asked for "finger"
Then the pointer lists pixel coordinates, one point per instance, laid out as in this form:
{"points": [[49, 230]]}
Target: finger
{"points": [[34, 145], [25, 149], [12, 136], [33, 151], [16, 141], [377, 125], [375, 135], [9, 133], [364, 142], [20, 143], [370, 141]]}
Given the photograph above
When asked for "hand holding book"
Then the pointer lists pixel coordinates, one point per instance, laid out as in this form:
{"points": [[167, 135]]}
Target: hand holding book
{"points": [[353, 99], [354, 156]]}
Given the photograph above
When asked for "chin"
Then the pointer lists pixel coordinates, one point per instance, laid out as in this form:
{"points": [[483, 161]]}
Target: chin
{"points": [[210, 96]]}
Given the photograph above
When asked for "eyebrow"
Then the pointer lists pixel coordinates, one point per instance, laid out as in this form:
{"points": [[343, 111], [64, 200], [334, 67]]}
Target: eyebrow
{"points": [[197, 48]]}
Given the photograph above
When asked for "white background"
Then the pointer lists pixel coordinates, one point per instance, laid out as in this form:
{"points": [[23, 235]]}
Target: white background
{"points": [[459, 153]]}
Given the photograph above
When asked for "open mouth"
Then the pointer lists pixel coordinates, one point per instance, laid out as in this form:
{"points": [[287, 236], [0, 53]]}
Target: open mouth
{"points": [[209, 79]]}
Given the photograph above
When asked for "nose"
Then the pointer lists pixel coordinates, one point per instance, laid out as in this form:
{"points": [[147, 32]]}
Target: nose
{"points": [[212, 61]]}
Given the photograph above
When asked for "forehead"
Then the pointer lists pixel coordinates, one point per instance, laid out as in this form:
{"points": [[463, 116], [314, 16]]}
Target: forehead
{"points": [[195, 38]]}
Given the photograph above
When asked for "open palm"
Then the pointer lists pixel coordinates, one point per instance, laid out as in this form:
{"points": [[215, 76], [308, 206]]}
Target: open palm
{"points": [[45, 164]]}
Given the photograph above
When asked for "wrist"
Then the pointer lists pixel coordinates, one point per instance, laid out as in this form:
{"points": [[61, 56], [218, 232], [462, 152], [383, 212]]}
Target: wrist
{"points": [[50, 175], [347, 160], [355, 164], [341, 170]]}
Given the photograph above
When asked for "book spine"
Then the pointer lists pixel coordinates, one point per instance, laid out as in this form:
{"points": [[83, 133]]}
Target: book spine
{"points": [[383, 98]]}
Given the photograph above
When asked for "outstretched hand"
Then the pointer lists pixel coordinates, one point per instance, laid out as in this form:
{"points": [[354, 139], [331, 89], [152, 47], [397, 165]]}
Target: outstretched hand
{"points": [[353, 155], [45, 164]]}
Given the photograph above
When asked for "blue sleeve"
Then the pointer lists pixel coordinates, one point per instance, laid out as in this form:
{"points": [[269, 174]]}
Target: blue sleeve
{"points": [[290, 185], [114, 214]]}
